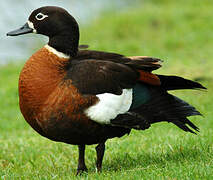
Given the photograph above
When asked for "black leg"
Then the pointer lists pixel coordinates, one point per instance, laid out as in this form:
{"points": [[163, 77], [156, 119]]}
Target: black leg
{"points": [[100, 148], [81, 162]]}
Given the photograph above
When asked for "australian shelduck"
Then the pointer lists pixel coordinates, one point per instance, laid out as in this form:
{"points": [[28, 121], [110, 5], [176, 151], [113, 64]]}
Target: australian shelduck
{"points": [[84, 97]]}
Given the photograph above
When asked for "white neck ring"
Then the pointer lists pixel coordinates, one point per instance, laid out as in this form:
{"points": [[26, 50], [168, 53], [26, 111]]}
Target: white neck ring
{"points": [[57, 53]]}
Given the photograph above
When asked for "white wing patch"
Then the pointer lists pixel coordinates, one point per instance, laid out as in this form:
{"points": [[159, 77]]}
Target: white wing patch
{"points": [[109, 106]]}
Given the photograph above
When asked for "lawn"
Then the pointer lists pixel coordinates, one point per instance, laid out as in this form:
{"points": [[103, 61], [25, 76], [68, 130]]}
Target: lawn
{"points": [[180, 33]]}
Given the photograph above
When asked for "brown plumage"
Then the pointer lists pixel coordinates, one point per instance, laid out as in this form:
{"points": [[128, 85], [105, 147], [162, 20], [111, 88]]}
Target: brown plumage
{"points": [[53, 106], [85, 97]]}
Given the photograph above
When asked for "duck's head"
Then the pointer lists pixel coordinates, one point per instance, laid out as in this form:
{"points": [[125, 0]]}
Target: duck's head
{"points": [[56, 23]]}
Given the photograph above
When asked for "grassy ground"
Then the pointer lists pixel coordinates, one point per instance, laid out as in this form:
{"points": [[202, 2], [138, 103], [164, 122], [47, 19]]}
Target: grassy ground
{"points": [[180, 32]]}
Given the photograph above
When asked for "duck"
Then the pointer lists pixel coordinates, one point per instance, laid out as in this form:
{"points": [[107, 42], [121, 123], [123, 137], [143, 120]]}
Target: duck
{"points": [[84, 97]]}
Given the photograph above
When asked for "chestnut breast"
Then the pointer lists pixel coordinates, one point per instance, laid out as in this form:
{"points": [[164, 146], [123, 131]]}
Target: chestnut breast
{"points": [[48, 102]]}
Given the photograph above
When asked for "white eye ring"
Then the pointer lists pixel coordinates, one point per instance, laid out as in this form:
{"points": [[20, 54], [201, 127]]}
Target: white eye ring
{"points": [[40, 16]]}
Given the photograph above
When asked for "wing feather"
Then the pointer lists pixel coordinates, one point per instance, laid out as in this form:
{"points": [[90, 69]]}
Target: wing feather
{"points": [[97, 77], [96, 72]]}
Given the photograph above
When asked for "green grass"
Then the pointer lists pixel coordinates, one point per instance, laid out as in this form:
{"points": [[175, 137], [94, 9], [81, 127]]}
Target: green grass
{"points": [[180, 32]]}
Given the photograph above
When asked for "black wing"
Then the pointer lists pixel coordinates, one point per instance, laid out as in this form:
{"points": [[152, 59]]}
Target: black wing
{"points": [[98, 76], [139, 62], [96, 72]]}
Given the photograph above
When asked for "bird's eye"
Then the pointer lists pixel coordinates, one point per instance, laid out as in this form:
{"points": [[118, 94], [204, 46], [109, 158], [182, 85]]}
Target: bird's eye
{"points": [[40, 16]]}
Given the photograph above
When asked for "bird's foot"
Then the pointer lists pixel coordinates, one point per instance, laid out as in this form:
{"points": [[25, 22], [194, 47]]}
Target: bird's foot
{"points": [[81, 170]]}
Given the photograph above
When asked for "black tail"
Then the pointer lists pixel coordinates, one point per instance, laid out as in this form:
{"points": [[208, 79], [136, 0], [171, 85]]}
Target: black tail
{"points": [[160, 105], [163, 106], [179, 111], [175, 82]]}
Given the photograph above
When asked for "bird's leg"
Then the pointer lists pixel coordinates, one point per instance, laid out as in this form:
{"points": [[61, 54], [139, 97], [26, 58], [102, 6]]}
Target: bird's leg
{"points": [[81, 162], [100, 148]]}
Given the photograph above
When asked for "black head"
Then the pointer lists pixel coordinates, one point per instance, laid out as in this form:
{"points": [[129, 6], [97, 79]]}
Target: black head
{"points": [[56, 23]]}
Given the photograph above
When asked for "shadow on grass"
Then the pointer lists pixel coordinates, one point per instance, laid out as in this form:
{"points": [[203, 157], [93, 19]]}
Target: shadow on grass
{"points": [[145, 160]]}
